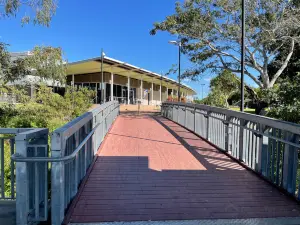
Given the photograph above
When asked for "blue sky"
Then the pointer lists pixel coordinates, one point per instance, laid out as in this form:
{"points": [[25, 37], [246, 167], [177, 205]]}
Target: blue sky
{"points": [[121, 28]]}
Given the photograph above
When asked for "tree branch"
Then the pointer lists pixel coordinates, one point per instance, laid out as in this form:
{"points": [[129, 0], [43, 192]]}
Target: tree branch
{"points": [[284, 65]]}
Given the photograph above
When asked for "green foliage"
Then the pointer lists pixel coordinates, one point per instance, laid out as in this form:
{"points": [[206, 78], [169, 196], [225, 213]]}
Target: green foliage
{"points": [[37, 11], [222, 88], [10, 70], [227, 82], [47, 109], [285, 102], [47, 63], [210, 33], [216, 98]]}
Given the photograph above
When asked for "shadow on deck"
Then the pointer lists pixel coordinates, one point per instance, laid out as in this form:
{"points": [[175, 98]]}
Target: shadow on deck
{"points": [[150, 168]]}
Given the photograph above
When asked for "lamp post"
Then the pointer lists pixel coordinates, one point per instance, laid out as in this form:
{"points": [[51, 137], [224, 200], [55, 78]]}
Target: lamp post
{"points": [[178, 43], [243, 56], [102, 83], [202, 90]]}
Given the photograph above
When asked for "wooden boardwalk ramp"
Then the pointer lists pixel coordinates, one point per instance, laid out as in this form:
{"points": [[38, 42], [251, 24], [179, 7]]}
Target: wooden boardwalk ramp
{"points": [[151, 169]]}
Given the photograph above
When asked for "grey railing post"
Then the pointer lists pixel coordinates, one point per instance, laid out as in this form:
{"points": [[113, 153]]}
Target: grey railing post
{"points": [[195, 119], [290, 160], [185, 116], [241, 140], [57, 181], [207, 126], [227, 133], [22, 183], [262, 150]]}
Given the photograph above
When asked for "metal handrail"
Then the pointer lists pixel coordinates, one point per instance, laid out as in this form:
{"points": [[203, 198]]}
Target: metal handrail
{"points": [[18, 158], [268, 146]]}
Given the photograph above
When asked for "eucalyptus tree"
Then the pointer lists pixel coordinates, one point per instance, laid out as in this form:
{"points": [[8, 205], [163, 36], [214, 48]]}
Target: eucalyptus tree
{"points": [[36, 11], [210, 31], [47, 63]]}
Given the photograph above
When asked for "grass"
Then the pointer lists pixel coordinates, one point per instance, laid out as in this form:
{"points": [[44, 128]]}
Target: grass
{"points": [[246, 110]]}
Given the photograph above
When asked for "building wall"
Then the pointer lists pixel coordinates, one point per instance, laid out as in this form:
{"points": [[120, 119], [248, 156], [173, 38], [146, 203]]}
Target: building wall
{"points": [[123, 80]]}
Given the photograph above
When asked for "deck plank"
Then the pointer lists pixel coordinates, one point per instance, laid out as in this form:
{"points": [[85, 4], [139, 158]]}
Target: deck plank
{"points": [[147, 172]]}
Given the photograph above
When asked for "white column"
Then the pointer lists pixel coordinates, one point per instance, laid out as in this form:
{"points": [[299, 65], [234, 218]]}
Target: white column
{"points": [[128, 90], [160, 92], [152, 100], [141, 89], [112, 86]]}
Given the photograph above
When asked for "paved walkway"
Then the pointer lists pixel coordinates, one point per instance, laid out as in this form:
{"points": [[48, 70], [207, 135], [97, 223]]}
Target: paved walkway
{"points": [[150, 168]]}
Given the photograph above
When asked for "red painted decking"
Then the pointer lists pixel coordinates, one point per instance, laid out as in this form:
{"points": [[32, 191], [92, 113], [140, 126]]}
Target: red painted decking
{"points": [[150, 168]]}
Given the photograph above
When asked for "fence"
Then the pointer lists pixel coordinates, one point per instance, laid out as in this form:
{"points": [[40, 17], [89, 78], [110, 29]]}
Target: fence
{"points": [[7, 166], [73, 148], [268, 146]]}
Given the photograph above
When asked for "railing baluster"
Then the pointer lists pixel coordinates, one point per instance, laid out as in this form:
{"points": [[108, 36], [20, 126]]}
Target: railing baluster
{"points": [[290, 163], [241, 140], [274, 150], [227, 133], [278, 157], [2, 167], [36, 187], [207, 127], [12, 169]]}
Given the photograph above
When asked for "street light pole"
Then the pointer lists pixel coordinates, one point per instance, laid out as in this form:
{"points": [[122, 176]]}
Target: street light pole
{"points": [[202, 91], [243, 56], [178, 43]]}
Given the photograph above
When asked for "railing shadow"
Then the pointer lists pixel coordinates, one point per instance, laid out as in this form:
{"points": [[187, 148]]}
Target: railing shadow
{"points": [[125, 188], [206, 154]]}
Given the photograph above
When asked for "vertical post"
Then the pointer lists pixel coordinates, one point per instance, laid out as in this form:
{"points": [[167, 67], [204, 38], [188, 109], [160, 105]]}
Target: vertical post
{"points": [[167, 91], [31, 91], [262, 151], [73, 85], [179, 71], [102, 83], [195, 119], [152, 101], [290, 163], [207, 127], [96, 89], [227, 133], [22, 183], [112, 86], [57, 180], [241, 140], [128, 90], [141, 88], [160, 89], [243, 56]]}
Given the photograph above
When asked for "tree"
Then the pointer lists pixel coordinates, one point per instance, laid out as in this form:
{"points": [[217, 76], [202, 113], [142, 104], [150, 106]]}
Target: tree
{"points": [[210, 32], [10, 70], [285, 102], [226, 83], [292, 68], [37, 11], [47, 63]]}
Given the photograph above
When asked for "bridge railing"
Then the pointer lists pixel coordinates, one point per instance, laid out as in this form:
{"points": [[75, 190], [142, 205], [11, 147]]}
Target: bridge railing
{"points": [[268, 146], [73, 148], [7, 166]]}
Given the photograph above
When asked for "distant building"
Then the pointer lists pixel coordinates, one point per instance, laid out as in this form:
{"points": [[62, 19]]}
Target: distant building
{"points": [[29, 81], [127, 83]]}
